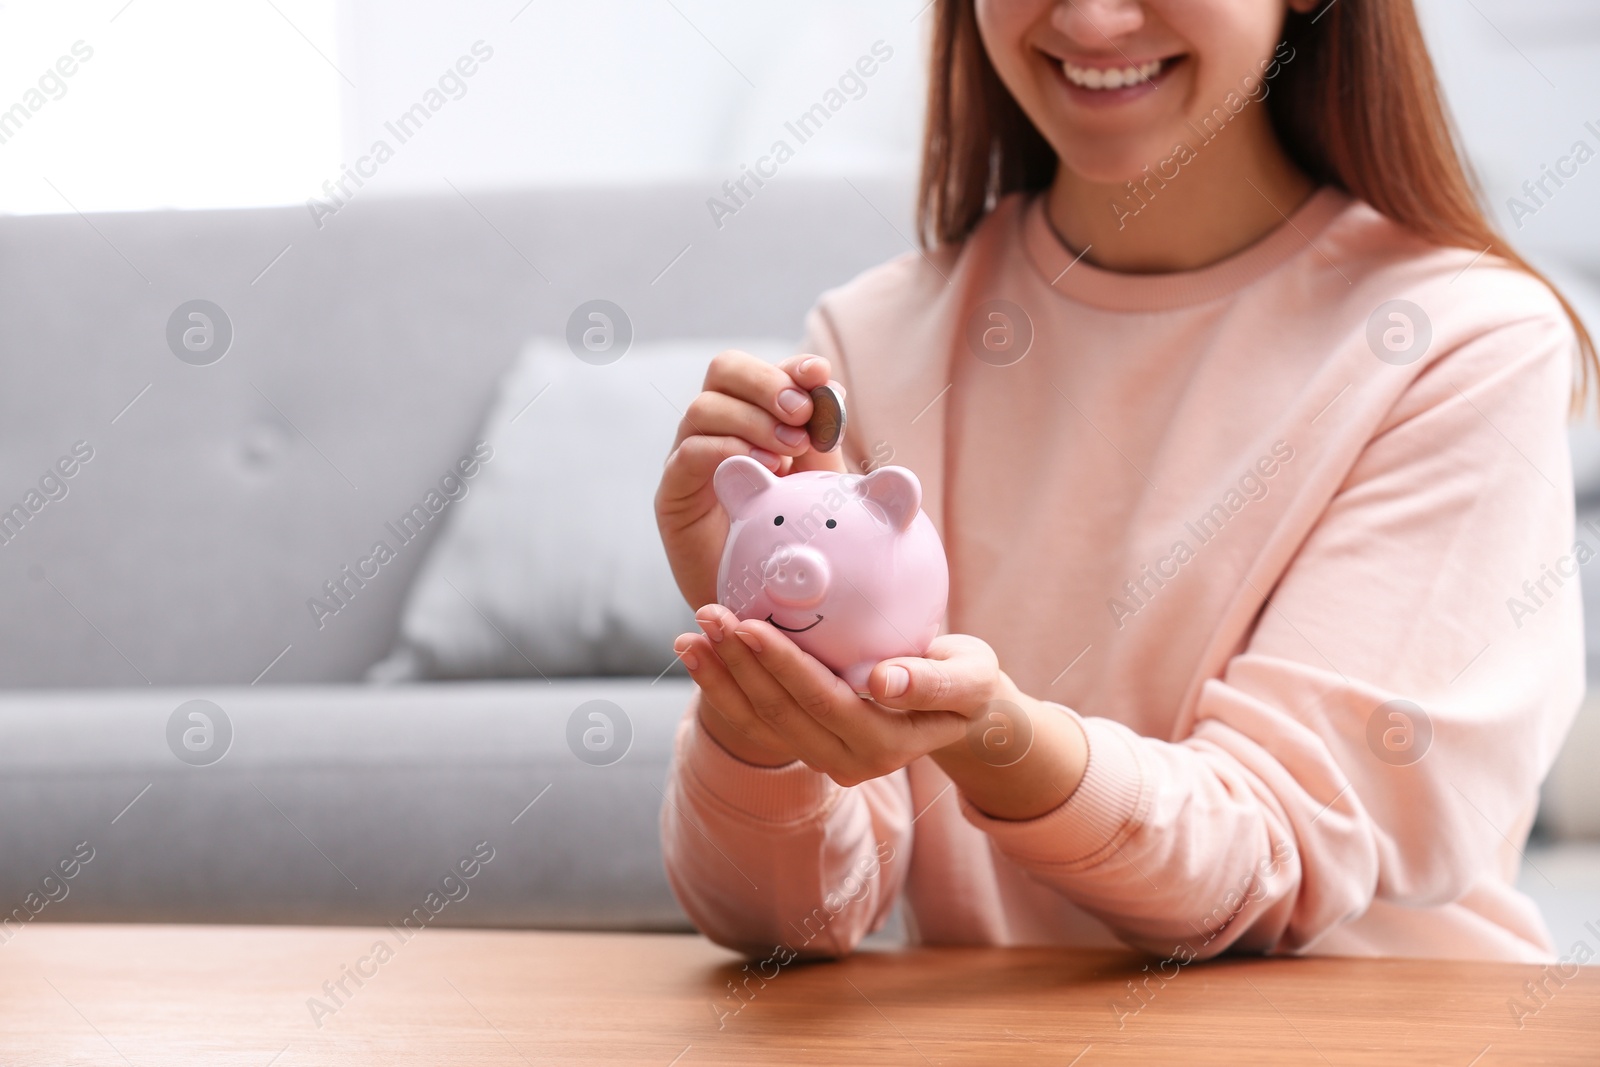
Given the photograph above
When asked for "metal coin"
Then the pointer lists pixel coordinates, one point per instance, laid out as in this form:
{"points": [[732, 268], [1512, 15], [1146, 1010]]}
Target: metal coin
{"points": [[826, 425]]}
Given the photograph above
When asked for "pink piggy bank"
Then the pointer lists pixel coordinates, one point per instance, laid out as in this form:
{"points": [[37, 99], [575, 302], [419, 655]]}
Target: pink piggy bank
{"points": [[846, 564]]}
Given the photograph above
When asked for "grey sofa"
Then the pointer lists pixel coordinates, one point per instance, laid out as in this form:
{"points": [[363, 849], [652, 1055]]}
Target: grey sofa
{"points": [[177, 565]]}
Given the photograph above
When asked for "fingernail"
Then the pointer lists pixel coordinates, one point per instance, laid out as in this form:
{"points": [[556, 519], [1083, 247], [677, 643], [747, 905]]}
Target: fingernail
{"points": [[749, 639], [790, 435], [806, 364], [790, 400], [765, 458], [896, 680], [690, 660], [712, 628]]}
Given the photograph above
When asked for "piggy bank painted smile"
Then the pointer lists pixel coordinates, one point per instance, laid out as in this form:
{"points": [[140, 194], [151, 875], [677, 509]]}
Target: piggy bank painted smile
{"points": [[846, 564]]}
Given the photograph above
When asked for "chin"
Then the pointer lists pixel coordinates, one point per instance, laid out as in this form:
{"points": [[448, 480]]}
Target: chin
{"points": [[1114, 164]]}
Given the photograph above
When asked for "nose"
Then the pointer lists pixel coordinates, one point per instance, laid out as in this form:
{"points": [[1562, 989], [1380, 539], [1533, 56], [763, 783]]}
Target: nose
{"points": [[1094, 24], [796, 577]]}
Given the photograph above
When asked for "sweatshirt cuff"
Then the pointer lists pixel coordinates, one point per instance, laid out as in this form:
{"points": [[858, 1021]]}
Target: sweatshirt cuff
{"points": [[1090, 824], [786, 794]]}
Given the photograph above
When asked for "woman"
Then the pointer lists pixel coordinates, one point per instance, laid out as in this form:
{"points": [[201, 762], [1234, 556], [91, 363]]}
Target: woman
{"points": [[1245, 436]]}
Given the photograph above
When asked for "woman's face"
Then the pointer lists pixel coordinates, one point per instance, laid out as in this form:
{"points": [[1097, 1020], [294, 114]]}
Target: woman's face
{"points": [[1116, 85]]}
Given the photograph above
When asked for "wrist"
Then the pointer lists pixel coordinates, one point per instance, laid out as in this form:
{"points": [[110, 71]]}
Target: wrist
{"points": [[732, 741], [986, 767], [1006, 701]]}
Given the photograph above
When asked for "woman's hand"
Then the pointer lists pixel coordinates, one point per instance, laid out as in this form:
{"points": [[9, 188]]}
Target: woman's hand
{"points": [[769, 703], [780, 704], [748, 408]]}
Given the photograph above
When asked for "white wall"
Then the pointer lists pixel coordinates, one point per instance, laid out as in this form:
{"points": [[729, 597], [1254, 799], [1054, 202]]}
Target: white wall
{"points": [[612, 91], [181, 103], [1523, 79], [201, 103]]}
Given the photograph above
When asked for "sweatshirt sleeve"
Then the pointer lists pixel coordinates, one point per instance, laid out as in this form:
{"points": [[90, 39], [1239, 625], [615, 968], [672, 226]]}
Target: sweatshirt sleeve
{"points": [[761, 857], [1383, 732]]}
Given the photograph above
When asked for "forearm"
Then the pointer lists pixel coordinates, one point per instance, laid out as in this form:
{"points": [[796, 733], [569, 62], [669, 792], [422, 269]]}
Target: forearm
{"points": [[983, 765]]}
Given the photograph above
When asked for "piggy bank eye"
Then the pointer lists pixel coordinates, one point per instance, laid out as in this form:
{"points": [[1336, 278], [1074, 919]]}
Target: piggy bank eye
{"points": [[778, 521], [832, 523]]}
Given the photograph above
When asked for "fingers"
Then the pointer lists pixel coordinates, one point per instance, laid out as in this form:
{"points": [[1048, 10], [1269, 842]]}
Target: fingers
{"points": [[722, 692], [814, 689], [782, 391], [713, 414], [691, 465], [960, 673], [809, 371], [868, 741], [768, 406], [718, 689], [764, 695], [784, 700]]}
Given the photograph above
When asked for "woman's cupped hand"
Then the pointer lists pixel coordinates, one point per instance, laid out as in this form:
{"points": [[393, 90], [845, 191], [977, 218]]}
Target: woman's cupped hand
{"points": [[770, 703]]}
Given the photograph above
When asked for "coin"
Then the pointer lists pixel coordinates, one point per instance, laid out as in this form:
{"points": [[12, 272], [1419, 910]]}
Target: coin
{"points": [[826, 425]]}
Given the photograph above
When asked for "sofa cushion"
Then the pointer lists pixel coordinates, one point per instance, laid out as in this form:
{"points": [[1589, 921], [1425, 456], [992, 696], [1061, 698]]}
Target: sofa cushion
{"points": [[550, 564]]}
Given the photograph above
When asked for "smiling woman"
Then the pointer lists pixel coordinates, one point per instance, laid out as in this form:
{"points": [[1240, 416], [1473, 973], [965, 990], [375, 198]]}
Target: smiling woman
{"points": [[1317, 300]]}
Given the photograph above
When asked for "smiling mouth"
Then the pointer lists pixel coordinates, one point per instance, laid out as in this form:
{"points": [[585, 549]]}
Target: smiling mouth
{"points": [[790, 629], [1108, 79]]}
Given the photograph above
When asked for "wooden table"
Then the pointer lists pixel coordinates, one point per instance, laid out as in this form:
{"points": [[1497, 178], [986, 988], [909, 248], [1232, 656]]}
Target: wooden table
{"points": [[174, 995]]}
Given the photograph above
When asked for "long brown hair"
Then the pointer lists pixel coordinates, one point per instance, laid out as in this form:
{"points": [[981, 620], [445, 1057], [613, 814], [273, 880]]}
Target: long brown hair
{"points": [[1362, 112]]}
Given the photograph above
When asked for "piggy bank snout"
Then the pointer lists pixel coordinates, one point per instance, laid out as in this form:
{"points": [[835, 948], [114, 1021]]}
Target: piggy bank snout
{"points": [[796, 577]]}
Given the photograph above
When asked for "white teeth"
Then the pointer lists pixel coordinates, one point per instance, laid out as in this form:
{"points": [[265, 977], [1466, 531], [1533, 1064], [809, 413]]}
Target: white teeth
{"points": [[1111, 77]]}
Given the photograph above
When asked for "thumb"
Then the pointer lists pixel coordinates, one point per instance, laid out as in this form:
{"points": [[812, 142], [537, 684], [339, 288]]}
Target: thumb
{"points": [[959, 673]]}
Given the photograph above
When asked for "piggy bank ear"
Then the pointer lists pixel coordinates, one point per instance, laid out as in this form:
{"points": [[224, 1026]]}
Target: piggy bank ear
{"points": [[739, 480], [893, 493]]}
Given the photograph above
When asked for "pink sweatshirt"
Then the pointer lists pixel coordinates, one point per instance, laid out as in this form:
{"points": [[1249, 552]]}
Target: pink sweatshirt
{"points": [[1201, 514]]}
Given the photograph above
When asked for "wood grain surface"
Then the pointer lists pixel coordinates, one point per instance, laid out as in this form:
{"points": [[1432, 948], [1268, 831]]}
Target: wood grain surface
{"points": [[177, 995]]}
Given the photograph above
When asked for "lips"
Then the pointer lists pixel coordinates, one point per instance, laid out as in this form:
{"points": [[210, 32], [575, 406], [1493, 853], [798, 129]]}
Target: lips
{"points": [[790, 629]]}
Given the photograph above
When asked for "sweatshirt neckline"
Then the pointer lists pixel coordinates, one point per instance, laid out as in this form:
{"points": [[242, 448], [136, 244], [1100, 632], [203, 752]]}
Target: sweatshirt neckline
{"points": [[1072, 277]]}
